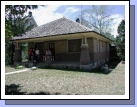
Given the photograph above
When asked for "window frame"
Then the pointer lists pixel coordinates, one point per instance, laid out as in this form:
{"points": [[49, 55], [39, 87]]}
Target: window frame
{"points": [[68, 44]]}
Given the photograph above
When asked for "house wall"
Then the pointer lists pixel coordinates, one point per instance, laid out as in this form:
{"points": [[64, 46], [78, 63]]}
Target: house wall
{"points": [[46, 45], [101, 56], [91, 49], [31, 45], [101, 52], [90, 44], [98, 51], [100, 46]]}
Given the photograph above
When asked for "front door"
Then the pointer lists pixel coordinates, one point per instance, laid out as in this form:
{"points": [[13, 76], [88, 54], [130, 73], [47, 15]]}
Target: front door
{"points": [[52, 48], [40, 46]]}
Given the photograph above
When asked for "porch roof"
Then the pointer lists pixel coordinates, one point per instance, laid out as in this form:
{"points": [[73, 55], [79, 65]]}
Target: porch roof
{"points": [[62, 26]]}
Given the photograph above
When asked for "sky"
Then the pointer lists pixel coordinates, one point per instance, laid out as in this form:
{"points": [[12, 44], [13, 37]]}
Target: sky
{"points": [[48, 13]]}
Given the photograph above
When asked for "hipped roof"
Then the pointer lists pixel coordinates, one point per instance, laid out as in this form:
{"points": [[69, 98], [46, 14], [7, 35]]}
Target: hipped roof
{"points": [[57, 27]]}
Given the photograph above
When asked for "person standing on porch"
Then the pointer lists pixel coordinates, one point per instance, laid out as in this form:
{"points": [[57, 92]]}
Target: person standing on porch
{"points": [[37, 54], [30, 54]]}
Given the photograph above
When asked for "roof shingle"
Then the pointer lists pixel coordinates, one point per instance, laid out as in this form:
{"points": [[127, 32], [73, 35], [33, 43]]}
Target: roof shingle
{"points": [[56, 27]]}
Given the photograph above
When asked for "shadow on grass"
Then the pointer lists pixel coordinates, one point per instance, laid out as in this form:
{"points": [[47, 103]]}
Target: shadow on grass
{"points": [[96, 70], [15, 89], [111, 65]]}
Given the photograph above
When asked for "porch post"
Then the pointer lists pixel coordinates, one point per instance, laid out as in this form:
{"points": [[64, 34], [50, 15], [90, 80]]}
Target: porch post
{"points": [[17, 54], [84, 57]]}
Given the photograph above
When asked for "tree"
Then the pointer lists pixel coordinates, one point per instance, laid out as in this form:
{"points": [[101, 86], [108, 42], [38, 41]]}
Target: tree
{"points": [[99, 18], [84, 22], [14, 26], [120, 40], [109, 35]]}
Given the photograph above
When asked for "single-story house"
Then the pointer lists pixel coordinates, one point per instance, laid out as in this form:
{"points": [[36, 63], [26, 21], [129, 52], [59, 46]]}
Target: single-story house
{"points": [[68, 41]]}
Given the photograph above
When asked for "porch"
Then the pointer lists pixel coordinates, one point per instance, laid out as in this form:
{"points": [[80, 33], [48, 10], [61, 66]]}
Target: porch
{"points": [[63, 50], [75, 49]]}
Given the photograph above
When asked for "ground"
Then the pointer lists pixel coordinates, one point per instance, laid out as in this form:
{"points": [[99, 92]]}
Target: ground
{"points": [[65, 82]]}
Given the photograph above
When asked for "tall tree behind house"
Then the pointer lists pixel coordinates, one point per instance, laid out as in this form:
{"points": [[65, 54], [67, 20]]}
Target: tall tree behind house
{"points": [[98, 18]]}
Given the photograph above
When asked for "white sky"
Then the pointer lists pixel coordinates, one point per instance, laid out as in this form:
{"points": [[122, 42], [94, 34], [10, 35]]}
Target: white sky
{"points": [[45, 14]]}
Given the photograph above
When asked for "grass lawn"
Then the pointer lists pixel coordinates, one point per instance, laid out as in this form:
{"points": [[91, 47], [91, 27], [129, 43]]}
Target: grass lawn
{"points": [[11, 69], [51, 81]]}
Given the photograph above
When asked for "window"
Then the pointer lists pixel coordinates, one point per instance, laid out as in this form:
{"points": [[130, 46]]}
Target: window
{"points": [[51, 45], [74, 45]]}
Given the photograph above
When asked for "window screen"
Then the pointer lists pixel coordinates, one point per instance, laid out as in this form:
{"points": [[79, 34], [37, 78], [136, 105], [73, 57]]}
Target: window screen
{"points": [[74, 45]]}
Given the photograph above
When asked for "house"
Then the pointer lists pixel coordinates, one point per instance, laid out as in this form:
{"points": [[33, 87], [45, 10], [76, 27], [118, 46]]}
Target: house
{"points": [[31, 20], [69, 41], [25, 22]]}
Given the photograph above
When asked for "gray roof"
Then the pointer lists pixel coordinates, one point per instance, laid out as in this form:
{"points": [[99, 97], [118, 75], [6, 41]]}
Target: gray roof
{"points": [[56, 27]]}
